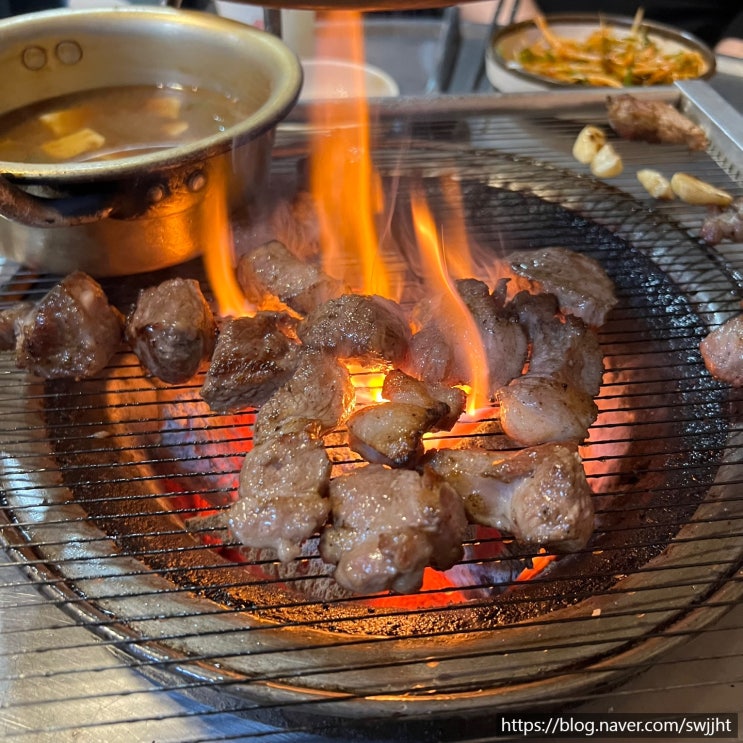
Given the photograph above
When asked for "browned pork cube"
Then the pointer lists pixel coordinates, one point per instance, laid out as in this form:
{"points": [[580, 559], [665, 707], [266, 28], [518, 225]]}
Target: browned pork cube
{"points": [[172, 329], [72, 332], [388, 526], [253, 357]]}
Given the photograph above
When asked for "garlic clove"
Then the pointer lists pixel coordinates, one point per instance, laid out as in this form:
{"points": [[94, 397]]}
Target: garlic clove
{"points": [[588, 142], [695, 191], [607, 163], [656, 184]]}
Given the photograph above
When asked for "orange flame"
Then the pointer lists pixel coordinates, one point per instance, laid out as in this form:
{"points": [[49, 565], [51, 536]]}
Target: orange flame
{"points": [[218, 256], [538, 564], [460, 323], [343, 181]]}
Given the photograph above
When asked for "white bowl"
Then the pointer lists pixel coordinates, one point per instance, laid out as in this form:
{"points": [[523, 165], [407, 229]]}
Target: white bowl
{"points": [[506, 74], [336, 79]]}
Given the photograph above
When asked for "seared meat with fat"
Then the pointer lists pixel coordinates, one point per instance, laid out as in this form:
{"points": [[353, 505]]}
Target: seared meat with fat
{"points": [[363, 328], [253, 357], [172, 329], [400, 387], [72, 332], [722, 351], [563, 347], [388, 526], [317, 398], [282, 495], [653, 121], [271, 270], [536, 409], [391, 433], [9, 318], [580, 284], [723, 223], [540, 496], [437, 354]]}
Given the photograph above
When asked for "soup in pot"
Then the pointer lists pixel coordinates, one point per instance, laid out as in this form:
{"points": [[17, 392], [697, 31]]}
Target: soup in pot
{"points": [[116, 122]]}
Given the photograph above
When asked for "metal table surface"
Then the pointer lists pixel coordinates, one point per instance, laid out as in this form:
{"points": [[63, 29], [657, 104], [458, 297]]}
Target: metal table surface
{"points": [[58, 683]]}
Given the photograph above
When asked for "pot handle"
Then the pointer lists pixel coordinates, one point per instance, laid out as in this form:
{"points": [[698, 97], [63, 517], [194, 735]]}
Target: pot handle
{"points": [[20, 206]]}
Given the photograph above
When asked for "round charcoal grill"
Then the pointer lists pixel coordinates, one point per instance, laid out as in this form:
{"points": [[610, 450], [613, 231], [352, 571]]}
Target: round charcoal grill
{"points": [[108, 483]]}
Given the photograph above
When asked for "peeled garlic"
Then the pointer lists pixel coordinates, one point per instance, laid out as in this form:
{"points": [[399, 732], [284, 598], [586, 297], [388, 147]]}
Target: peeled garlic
{"points": [[695, 191], [655, 183], [607, 163], [590, 140]]}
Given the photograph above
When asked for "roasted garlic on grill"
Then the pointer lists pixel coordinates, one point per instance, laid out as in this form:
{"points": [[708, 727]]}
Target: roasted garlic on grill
{"points": [[656, 184], [607, 163], [695, 191], [587, 144]]}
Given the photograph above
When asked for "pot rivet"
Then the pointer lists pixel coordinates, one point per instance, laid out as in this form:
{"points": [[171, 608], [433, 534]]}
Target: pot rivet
{"points": [[155, 194], [68, 52], [196, 181], [34, 57]]}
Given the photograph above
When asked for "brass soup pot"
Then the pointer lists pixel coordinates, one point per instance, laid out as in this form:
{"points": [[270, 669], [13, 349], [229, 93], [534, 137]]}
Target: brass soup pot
{"points": [[147, 211]]}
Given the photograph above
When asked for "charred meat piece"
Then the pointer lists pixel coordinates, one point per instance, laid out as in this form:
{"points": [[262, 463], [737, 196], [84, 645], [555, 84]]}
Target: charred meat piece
{"points": [[271, 270], [438, 356], [253, 357], [72, 332], [562, 347], [391, 433], [536, 410], [656, 122], [317, 398], [580, 284], [400, 387], [172, 329], [363, 328], [722, 351], [723, 224], [540, 496], [388, 526], [9, 318], [504, 341], [282, 495]]}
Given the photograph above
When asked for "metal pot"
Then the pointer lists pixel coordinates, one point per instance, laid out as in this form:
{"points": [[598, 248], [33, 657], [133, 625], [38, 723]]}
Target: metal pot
{"points": [[145, 212]]}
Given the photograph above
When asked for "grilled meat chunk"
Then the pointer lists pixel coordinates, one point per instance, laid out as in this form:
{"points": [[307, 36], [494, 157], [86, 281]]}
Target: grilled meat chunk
{"points": [[172, 330], [391, 433], [253, 357], [580, 284], [363, 328], [536, 410], [388, 526], [723, 223], [400, 387], [317, 398], [9, 318], [438, 356], [653, 121], [72, 332], [562, 347], [282, 495], [272, 270], [540, 496], [722, 351]]}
